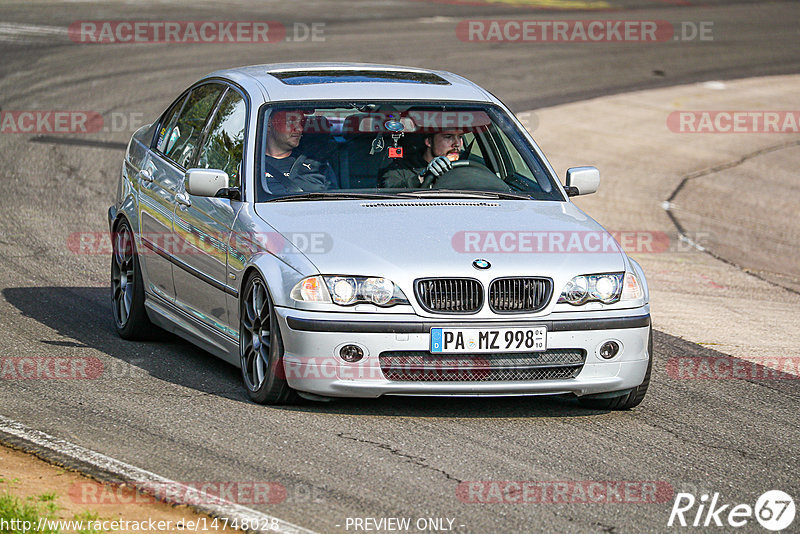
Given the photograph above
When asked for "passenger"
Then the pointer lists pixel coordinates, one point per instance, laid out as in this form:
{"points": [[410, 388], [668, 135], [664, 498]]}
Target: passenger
{"points": [[286, 169], [441, 149]]}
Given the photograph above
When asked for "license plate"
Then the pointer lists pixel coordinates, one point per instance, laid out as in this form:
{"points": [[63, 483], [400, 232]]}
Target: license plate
{"points": [[532, 339]]}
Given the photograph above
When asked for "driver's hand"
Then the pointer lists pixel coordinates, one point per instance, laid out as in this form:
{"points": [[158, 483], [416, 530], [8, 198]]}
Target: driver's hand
{"points": [[438, 166]]}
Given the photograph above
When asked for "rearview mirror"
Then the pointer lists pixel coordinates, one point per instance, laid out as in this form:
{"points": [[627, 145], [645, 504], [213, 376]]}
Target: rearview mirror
{"points": [[582, 180], [205, 182]]}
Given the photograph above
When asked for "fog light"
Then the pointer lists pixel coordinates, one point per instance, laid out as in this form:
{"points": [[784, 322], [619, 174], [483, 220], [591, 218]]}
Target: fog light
{"points": [[609, 349], [351, 353]]}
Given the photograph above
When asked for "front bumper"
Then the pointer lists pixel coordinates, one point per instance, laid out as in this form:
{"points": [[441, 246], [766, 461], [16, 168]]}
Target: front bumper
{"points": [[312, 341]]}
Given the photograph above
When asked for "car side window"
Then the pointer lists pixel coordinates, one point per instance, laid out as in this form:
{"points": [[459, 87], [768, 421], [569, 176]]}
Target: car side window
{"points": [[180, 142], [222, 148], [168, 123]]}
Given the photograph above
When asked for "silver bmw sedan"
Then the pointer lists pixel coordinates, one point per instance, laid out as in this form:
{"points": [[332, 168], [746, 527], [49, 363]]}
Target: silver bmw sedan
{"points": [[354, 230]]}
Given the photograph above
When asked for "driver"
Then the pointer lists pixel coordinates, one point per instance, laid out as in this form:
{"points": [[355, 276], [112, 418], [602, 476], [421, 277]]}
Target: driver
{"points": [[441, 150]]}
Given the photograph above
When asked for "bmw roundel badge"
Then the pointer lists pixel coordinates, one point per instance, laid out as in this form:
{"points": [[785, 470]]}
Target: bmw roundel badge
{"points": [[481, 264]]}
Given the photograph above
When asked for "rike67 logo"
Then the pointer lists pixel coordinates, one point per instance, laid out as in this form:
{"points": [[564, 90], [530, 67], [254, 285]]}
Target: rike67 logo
{"points": [[774, 510]]}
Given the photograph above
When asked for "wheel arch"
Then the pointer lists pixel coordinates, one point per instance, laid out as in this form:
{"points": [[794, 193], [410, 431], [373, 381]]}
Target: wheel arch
{"points": [[119, 218], [278, 276]]}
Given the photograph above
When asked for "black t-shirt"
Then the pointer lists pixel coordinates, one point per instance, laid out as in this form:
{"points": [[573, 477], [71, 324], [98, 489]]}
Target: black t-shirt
{"points": [[279, 166], [296, 173]]}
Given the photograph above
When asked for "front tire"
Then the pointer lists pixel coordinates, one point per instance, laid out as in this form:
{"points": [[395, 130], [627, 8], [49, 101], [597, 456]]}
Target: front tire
{"points": [[261, 346], [127, 287]]}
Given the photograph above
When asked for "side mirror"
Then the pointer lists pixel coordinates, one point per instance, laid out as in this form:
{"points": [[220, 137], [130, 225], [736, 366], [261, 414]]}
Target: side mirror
{"points": [[582, 180], [205, 182]]}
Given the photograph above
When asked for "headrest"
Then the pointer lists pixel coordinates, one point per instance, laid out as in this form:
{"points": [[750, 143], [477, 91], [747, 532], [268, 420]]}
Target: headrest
{"points": [[317, 124]]}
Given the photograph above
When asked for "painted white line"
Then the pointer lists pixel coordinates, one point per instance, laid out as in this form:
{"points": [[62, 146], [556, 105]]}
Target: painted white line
{"points": [[667, 206], [12, 32], [216, 506], [437, 20], [686, 239]]}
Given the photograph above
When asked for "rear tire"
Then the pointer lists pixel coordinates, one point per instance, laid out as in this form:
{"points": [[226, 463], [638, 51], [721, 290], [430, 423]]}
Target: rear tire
{"points": [[630, 400], [261, 346], [127, 287]]}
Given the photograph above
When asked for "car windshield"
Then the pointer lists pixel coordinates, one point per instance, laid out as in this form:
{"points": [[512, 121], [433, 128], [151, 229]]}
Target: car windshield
{"points": [[340, 150]]}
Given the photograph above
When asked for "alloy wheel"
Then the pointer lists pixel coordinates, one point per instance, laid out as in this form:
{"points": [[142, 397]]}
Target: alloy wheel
{"points": [[256, 335]]}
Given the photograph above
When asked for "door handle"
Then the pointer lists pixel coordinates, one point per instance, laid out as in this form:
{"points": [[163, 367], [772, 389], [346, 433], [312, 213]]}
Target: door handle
{"points": [[183, 200]]}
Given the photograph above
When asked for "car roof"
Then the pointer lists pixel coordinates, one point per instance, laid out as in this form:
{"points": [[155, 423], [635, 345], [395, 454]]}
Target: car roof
{"points": [[348, 81]]}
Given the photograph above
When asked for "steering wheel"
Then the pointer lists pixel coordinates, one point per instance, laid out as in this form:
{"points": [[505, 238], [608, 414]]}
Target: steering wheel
{"points": [[466, 174]]}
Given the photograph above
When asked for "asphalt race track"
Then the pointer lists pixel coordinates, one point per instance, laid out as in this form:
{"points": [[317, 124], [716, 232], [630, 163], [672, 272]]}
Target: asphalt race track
{"points": [[174, 410]]}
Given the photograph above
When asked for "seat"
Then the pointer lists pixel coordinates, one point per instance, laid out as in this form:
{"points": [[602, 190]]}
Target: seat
{"points": [[317, 141], [358, 169]]}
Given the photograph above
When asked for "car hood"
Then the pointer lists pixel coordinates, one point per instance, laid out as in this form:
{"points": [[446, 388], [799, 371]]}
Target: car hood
{"points": [[419, 238]]}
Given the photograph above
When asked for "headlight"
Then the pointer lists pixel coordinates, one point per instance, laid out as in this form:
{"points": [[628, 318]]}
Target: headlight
{"points": [[576, 291], [348, 290], [378, 290], [343, 290], [605, 288]]}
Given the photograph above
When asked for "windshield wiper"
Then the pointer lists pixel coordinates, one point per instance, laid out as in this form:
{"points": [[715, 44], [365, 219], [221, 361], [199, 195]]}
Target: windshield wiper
{"points": [[464, 193], [331, 195]]}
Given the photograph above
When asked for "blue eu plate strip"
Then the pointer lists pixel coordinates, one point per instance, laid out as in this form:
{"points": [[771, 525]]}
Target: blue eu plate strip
{"points": [[436, 340]]}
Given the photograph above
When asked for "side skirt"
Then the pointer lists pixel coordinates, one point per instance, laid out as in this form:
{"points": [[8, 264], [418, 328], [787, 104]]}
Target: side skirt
{"points": [[172, 319]]}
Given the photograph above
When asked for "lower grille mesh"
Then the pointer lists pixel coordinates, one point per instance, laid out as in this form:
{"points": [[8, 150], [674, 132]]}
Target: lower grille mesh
{"points": [[422, 366]]}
